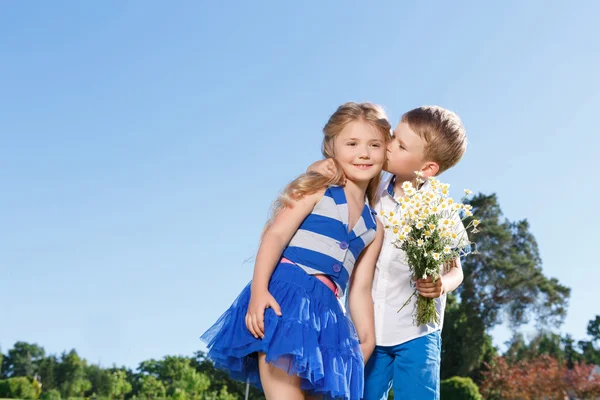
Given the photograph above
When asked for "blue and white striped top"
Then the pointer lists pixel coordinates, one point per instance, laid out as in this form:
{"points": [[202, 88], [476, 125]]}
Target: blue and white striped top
{"points": [[323, 243]]}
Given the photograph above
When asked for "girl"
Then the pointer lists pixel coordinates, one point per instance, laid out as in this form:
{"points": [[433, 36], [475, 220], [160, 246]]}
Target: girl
{"points": [[287, 331]]}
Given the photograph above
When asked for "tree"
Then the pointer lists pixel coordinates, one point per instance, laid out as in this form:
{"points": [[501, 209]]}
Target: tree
{"points": [[179, 377], [542, 377], [18, 388], [526, 379], [547, 343], [503, 279], [152, 388], [583, 381], [51, 395], [179, 394], [223, 394], [589, 353], [219, 379], [151, 367], [22, 360], [572, 356], [457, 345], [168, 370], [459, 388], [119, 386], [70, 372], [593, 329], [100, 380], [192, 382], [517, 348], [47, 371]]}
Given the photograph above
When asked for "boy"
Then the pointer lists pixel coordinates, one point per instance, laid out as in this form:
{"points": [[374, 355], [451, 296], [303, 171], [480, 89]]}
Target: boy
{"points": [[431, 140]]}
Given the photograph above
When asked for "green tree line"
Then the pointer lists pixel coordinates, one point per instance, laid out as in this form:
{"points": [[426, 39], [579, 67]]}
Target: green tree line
{"points": [[28, 373]]}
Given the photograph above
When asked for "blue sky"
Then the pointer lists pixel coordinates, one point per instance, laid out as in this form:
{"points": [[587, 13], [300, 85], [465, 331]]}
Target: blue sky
{"points": [[143, 142]]}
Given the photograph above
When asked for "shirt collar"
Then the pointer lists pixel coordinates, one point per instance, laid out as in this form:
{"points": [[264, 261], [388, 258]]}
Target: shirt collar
{"points": [[389, 186]]}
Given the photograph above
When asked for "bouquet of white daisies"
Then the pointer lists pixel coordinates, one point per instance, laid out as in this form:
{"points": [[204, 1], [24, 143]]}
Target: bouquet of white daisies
{"points": [[428, 226]]}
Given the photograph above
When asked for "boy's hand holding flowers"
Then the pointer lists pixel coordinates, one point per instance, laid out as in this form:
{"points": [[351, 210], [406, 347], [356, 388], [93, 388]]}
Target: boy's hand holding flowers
{"points": [[428, 288]]}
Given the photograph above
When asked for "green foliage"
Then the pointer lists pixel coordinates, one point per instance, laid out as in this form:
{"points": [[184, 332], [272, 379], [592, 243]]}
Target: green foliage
{"points": [[589, 352], [219, 379], [52, 394], [37, 386], [192, 383], [100, 378], [152, 388], [224, 395], [504, 278], [18, 388], [543, 343], [179, 377], [593, 329], [559, 348], [465, 349], [119, 386], [506, 275], [459, 388], [48, 370], [22, 360], [179, 394], [70, 372]]}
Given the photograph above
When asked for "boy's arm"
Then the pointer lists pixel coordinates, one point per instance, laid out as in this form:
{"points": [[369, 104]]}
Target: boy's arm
{"points": [[325, 167], [359, 294], [445, 284]]}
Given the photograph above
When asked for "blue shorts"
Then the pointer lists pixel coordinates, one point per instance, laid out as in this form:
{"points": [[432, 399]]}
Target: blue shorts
{"points": [[412, 368]]}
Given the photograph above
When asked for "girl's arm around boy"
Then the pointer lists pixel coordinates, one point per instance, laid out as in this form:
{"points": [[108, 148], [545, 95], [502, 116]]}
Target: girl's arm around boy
{"points": [[360, 299]]}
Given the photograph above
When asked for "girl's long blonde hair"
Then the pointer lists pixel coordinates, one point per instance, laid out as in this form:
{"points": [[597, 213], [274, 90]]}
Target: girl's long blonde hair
{"points": [[312, 182]]}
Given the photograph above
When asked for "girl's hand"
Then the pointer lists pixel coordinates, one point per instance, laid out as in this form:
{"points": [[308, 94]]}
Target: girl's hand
{"points": [[367, 350], [255, 317]]}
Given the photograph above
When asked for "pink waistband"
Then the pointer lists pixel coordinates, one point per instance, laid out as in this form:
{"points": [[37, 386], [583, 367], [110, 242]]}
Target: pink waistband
{"points": [[323, 278]]}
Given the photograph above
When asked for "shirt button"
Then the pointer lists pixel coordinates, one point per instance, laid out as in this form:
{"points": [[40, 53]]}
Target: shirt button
{"points": [[337, 267], [343, 245]]}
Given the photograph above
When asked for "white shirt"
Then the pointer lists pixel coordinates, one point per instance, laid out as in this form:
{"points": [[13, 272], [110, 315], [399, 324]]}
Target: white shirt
{"points": [[392, 284]]}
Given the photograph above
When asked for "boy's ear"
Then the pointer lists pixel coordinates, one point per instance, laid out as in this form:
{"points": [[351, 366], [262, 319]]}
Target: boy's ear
{"points": [[430, 169]]}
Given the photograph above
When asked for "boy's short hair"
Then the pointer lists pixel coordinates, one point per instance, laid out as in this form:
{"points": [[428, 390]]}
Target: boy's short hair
{"points": [[443, 132]]}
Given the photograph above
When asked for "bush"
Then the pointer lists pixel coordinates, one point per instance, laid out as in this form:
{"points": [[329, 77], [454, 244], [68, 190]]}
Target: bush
{"points": [[18, 388], [459, 388], [179, 395], [52, 394]]}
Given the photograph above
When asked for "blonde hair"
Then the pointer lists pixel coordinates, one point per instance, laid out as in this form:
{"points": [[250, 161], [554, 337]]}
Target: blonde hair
{"points": [[312, 182], [443, 131]]}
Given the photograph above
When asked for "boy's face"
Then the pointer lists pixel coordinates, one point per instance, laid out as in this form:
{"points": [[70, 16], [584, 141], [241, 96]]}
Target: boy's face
{"points": [[405, 153]]}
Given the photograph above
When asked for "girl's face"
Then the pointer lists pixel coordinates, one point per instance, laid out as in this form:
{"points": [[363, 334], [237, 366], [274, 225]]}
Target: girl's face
{"points": [[360, 149]]}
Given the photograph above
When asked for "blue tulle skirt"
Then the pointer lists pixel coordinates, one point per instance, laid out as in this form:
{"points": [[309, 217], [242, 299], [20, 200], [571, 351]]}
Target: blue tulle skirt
{"points": [[313, 339]]}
